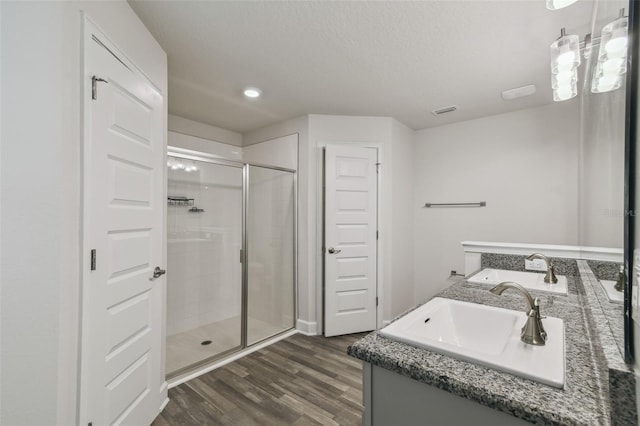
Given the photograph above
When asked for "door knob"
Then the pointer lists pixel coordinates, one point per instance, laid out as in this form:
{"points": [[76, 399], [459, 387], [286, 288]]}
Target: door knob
{"points": [[157, 273], [333, 251]]}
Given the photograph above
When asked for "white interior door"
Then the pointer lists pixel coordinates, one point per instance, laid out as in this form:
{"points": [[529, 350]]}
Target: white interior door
{"points": [[350, 239], [122, 367]]}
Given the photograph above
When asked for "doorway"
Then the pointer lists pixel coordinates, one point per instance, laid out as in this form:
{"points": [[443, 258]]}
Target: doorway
{"points": [[350, 239]]}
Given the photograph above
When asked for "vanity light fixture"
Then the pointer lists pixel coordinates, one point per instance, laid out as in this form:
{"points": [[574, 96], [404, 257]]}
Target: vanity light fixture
{"points": [[191, 167], [252, 92], [565, 59], [612, 56], [173, 164], [559, 4], [176, 164]]}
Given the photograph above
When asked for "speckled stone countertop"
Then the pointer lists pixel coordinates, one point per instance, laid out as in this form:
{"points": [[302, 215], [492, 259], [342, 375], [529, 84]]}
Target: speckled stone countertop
{"points": [[607, 318], [583, 401]]}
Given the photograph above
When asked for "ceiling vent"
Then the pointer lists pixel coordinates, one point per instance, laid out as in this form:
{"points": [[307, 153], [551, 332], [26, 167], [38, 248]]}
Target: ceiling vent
{"points": [[444, 110], [518, 92]]}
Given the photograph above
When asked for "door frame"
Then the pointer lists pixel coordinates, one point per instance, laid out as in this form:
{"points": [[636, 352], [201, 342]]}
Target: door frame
{"points": [[90, 30], [320, 226]]}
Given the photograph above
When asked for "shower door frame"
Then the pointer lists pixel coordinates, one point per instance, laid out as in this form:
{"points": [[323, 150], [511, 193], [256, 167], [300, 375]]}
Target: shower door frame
{"points": [[189, 154]]}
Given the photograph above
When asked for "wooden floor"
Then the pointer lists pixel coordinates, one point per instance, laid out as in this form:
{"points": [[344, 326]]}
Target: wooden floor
{"points": [[301, 380]]}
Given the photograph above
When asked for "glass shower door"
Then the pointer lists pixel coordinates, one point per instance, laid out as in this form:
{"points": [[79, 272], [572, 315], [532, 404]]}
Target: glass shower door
{"points": [[270, 252], [204, 272]]}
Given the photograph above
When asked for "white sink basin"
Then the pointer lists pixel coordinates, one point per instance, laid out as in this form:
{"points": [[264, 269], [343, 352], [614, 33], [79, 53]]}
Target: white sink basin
{"points": [[614, 295], [484, 335], [529, 280]]}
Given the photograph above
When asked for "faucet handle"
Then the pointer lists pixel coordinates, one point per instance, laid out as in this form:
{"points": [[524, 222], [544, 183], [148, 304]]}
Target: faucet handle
{"points": [[550, 278]]}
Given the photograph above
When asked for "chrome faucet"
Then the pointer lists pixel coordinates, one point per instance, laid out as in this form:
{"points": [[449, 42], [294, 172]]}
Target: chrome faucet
{"points": [[533, 332], [550, 278]]}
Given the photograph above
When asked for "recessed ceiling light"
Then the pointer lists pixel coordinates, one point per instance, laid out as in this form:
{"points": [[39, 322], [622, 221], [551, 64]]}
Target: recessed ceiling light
{"points": [[252, 92], [519, 92]]}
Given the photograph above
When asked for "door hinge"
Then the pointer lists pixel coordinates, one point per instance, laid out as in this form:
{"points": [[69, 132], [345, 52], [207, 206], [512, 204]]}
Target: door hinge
{"points": [[378, 167], [241, 258], [94, 86], [376, 301], [93, 259], [377, 235]]}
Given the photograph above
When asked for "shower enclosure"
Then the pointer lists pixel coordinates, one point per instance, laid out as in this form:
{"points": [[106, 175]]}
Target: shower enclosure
{"points": [[230, 256]]}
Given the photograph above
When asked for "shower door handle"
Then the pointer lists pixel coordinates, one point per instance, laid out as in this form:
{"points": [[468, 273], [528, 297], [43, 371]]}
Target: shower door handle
{"points": [[157, 273]]}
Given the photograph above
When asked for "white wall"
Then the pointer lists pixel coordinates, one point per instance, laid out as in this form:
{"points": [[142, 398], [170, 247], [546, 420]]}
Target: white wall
{"points": [[281, 152], [219, 149], [401, 286], [204, 131], [524, 164], [40, 196]]}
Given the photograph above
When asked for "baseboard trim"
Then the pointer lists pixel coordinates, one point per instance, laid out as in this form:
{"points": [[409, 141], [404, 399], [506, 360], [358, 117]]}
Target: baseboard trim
{"points": [[163, 405], [308, 328], [164, 392]]}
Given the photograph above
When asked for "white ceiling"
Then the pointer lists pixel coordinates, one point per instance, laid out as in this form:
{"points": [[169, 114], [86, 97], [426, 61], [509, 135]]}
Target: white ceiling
{"points": [[380, 58]]}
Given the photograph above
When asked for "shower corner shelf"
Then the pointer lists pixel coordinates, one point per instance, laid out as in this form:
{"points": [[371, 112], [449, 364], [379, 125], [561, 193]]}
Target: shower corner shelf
{"points": [[180, 201]]}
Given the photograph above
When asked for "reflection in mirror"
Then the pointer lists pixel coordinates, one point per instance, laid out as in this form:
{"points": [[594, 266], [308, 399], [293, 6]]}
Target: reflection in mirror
{"points": [[601, 183], [601, 150]]}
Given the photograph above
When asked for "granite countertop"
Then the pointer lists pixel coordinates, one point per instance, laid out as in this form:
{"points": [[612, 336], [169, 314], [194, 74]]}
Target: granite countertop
{"points": [[583, 401]]}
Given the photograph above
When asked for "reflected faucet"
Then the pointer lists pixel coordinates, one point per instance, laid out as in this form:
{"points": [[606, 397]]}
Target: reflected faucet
{"points": [[620, 281], [550, 278], [533, 332]]}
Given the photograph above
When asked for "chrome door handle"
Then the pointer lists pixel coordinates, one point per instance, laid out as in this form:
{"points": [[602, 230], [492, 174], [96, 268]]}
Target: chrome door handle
{"points": [[157, 273], [333, 251]]}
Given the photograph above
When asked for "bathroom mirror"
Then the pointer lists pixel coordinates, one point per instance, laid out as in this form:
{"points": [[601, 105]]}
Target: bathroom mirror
{"points": [[602, 186]]}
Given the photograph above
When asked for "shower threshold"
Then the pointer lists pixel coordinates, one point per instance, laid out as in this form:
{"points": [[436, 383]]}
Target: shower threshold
{"points": [[182, 376]]}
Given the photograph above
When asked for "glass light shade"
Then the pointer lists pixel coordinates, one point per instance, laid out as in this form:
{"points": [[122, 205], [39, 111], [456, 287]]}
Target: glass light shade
{"points": [[614, 40], [559, 4], [565, 54], [612, 56], [606, 83], [565, 92], [564, 78], [613, 66]]}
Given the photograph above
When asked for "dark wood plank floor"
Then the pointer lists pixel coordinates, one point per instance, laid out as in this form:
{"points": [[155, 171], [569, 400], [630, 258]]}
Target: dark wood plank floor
{"points": [[301, 380]]}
